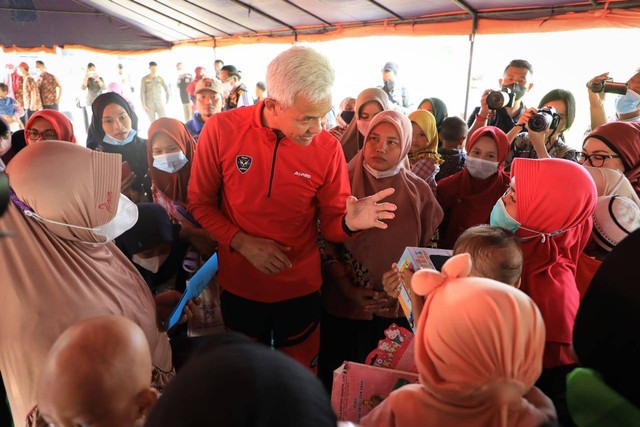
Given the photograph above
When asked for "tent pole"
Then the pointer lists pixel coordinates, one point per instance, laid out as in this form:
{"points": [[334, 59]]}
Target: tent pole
{"points": [[472, 40]]}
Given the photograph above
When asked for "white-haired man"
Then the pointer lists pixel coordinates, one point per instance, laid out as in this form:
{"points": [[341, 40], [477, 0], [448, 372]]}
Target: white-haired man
{"points": [[261, 176]]}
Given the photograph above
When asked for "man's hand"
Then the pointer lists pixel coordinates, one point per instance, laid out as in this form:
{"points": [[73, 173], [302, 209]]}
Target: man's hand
{"points": [[264, 254], [368, 213]]}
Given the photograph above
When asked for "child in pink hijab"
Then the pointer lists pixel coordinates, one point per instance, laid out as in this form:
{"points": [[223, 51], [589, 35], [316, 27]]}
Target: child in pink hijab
{"points": [[478, 366]]}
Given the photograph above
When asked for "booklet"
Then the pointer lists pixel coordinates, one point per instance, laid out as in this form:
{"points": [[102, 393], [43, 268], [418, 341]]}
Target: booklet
{"points": [[195, 286], [415, 258]]}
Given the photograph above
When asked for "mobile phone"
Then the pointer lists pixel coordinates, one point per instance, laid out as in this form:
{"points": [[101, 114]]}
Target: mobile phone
{"points": [[126, 170]]}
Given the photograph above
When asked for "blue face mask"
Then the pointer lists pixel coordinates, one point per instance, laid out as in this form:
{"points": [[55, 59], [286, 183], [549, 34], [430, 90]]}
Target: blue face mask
{"points": [[501, 218], [170, 162], [627, 103], [110, 140]]}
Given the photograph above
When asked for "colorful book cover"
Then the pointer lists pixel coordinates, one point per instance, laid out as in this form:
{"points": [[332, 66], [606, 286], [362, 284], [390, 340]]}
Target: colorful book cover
{"points": [[358, 388], [415, 258], [395, 351]]}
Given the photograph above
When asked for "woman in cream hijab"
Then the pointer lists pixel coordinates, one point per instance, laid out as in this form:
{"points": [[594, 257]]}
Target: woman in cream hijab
{"points": [[59, 265]]}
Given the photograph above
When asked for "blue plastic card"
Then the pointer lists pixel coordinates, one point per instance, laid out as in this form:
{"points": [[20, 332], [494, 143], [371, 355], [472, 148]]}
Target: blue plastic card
{"points": [[195, 286]]}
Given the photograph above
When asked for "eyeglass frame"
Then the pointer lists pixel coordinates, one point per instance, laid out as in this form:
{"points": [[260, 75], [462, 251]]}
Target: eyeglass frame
{"points": [[41, 135], [588, 157]]}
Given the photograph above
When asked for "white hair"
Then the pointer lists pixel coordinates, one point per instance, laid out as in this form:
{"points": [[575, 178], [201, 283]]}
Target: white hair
{"points": [[300, 71]]}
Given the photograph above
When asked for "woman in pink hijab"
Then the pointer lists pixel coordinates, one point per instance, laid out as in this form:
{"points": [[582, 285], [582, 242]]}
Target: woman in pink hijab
{"points": [[479, 346]]}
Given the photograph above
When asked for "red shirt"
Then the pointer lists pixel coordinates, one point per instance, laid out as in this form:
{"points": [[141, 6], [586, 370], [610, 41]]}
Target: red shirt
{"points": [[268, 189]]}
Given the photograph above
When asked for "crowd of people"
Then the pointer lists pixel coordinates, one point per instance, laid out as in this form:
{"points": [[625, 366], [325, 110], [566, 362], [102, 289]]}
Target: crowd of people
{"points": [[307, 209]]}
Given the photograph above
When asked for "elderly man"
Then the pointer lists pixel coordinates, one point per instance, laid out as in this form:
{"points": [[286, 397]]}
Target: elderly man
{"points": [[208, 102], [261, 177], [98, 372]]}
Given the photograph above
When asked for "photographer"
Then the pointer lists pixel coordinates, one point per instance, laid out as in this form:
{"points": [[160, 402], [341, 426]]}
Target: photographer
{"points": [[557, 110], [516, 81], [627, 105]]}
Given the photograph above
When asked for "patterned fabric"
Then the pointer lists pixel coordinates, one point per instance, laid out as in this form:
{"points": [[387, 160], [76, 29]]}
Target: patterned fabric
{"points": [[19, 91], [454, 161], [48, 84], [427, 170], [31, 94], [521, 147]]}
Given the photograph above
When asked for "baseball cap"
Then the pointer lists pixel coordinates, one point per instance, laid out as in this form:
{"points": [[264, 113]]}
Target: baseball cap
{"points": [[24, 65], [390, 66], [208, 84]]}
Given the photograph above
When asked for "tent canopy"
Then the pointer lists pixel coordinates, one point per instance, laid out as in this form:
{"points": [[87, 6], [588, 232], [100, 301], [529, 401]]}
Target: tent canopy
{"points": [[135, 25]]}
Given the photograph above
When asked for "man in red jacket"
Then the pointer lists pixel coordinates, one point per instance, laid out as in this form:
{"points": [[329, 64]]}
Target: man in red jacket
{"points": [[260, 178]]}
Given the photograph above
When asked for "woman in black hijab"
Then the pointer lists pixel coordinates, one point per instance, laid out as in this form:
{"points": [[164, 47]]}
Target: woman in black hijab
{"points": [[114, 129]]}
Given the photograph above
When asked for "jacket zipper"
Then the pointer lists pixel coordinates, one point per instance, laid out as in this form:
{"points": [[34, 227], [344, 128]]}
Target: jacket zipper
{"points": [[273, 166]]}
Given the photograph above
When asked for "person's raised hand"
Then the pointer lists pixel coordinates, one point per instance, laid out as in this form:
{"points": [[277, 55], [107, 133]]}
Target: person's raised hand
{"points": [[367, 212]]}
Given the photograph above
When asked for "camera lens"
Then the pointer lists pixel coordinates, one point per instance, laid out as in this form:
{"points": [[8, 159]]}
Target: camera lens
{"points": [[613, 87], [540, 121], [497, 99]]}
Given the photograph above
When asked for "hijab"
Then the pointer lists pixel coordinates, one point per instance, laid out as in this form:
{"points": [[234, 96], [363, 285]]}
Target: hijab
{"points": [[427, 123], [352, 140], [418, 213], [242, 383], [623, 138], [439, 110], [474, 366], [469, 200], [173, 185], [562, 223], [96, 132], [51, 279], [612, 182], [605, 336], [58, 121]]}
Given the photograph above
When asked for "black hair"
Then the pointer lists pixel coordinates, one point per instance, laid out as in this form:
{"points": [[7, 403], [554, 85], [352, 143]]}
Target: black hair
{"points": [[232, 71], [4, 87], [564, 96], [261, 85], [520, 63], [91, 64], [38, 62]]}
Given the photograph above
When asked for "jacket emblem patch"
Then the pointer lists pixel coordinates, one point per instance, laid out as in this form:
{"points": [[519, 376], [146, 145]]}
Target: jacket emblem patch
{"points": [[243, 163]]}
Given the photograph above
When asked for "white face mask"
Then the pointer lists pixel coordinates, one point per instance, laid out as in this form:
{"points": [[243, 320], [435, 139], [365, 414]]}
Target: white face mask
{"points": [[479, 168], [170, 162], [111, 140], [363, 126], [125, 218], [627, 103], [5, 145], [151, 264]]}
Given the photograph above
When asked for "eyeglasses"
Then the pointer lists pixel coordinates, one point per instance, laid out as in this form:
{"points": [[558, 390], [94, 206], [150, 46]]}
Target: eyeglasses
{"points": [[47, 135], [595, 160]]}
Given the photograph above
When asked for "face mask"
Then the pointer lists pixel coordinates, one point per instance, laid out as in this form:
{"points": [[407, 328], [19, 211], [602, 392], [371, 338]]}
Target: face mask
{"points": [[170, 162], [347, 116], [226, 87], [125, 218], [110, 140], [152, 264], [627, 103], [481, 169], [501, 218], [5, 145], [517, 90], [363, 126]]}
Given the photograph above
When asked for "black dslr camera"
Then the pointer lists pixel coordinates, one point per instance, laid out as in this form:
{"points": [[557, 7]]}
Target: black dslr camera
{"points": [[608, 86], [545, 118], [497, 99]]}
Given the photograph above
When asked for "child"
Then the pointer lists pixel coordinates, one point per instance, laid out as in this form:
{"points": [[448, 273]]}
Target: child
{"points": [[495, 252], [10, 110], [423, 155], [479, 347], [358, 309], [453, 132], [98, 371]]}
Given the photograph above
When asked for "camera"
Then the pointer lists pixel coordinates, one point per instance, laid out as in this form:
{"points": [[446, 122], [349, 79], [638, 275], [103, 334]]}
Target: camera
{"points": [[608, 86], [545, 118], [497, 99]]}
